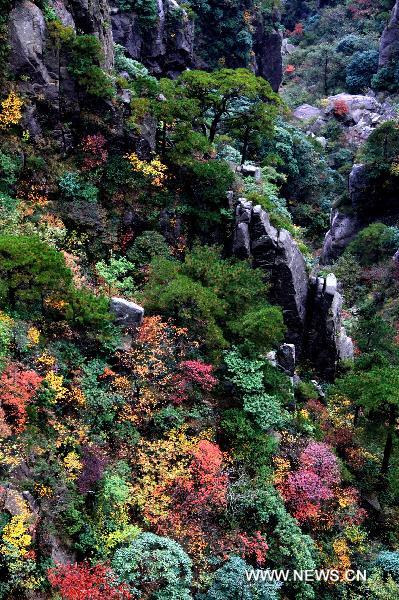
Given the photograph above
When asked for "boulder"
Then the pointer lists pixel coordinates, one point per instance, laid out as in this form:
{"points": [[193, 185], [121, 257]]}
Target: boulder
{"points": [[285, 358], [250, 171], [343, 229], [126, 314], [389, 43], [306, 112]]}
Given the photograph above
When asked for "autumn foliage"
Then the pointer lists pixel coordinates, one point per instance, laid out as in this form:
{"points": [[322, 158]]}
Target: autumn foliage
{"points": [[17, 388], [79, 580]]}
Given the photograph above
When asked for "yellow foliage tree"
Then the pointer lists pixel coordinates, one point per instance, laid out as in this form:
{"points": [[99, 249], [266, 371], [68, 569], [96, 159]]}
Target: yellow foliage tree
{"points": [[10, 110]]}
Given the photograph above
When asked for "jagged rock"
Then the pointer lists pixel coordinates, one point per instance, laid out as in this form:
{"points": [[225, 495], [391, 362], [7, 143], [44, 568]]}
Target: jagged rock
{"points": [[165, 49], [242, 240], [285, 358], [277, 254], [389, 43], [343, 229], [287, 47], [126, 314], [326, 340]]}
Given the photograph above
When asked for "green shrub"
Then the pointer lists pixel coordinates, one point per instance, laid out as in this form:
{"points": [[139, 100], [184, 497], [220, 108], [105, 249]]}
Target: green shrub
{"points": [[360, 70], [230, 583], [155, 562], [388, 562], [10, 167], [74, 187], [30, 271], [146, 246], [374, 243], [84, 65], [213, 297]]}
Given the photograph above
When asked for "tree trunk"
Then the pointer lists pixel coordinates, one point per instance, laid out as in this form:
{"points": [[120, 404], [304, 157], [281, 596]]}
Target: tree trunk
{"points": [[356, 416], [245, 145], [389, 441]]}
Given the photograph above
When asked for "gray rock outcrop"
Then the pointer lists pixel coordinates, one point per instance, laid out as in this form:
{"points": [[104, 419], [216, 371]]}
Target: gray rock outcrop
{"points": [[166, 48], [389, 43], [326, 340], [344, 226], [343, 229], [359, 114], [312, 316], [126, 314], [276, 253]]}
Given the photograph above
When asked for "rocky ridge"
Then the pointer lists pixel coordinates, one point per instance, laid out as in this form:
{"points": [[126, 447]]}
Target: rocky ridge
{"points": [[311, 307]]}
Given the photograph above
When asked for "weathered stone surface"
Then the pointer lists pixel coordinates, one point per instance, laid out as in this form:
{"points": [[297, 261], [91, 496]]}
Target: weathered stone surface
{"points": [[326, 339], [306, 112], [27, 36], [127, 314], [250, 171], [242, 239], [276, 252], [267, 43], [389, 43], [93, 17], [278, 255], [285, 358], [358, 186], [343, 229], [165, 49]]}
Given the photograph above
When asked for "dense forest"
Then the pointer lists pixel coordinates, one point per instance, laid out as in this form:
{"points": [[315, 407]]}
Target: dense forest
{"points": [[199, 299]]}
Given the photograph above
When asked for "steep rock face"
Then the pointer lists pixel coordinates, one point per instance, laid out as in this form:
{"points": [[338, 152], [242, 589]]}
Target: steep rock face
{"points": [[277, 254], [267, 48], [166, 48], [40, 65], [343, 226], [93, 17], [389, 43], [358, 186], [313, 317], [326, 339], [343, 229]]}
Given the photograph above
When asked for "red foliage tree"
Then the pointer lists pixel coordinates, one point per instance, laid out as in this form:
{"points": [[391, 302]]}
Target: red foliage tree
{"points": [[307, 488], [340, 108], [252, 547], [17, 388], [193, 373], [95, 153], [359, 9], [82, 582]]}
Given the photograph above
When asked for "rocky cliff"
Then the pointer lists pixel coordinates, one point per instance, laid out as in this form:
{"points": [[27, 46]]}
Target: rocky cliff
{"points": [[311, 307], [389, 44]]}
